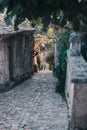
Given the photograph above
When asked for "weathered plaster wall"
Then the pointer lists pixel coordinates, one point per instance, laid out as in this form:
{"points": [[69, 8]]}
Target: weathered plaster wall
{"points": [[16, 56], [4, 74]]}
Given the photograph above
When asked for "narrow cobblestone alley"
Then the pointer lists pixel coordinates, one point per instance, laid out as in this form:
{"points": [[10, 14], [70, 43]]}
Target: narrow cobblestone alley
{"points": [[34, 105]]}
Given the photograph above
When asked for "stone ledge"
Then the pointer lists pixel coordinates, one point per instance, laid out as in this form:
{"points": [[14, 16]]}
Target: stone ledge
{"points": [[78, 68], [9, 33]]}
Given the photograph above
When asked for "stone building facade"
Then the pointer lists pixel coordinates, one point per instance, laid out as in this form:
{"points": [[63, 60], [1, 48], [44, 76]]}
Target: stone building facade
{"points": [[16, 57]]}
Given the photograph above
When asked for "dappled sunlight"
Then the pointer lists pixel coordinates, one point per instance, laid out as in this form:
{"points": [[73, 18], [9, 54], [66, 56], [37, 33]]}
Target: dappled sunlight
{"points": [[44, 46]]}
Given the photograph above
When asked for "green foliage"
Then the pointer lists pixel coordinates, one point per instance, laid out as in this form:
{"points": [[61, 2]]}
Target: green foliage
{"points": [[47, 10], [48, 46], [38, 61], [41, 66], [35, 68], [50, 58], [60, 70], [51, 66], [84, 46]]}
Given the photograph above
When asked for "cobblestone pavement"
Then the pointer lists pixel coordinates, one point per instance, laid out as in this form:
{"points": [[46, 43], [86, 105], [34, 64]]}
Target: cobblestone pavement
{"points": [[34, 105]]}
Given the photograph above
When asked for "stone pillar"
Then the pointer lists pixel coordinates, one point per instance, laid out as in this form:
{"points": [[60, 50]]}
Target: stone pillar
{"points": [[75, 44], [55, 54]]}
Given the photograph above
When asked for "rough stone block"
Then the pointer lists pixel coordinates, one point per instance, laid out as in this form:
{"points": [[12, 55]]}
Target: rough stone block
{"points": [[76, 91]]}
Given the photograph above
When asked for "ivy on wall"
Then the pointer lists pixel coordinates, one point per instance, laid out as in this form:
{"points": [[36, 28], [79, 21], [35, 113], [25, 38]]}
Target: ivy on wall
{"points": [[60, 70]]}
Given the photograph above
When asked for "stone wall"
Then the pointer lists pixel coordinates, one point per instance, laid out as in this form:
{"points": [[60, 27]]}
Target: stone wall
{"points": [[16, 57], [76, 89]]}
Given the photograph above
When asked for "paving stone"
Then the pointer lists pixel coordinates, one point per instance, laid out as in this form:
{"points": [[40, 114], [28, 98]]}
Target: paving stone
{"points": [[34, 105], [27, 128], [14, 127]]}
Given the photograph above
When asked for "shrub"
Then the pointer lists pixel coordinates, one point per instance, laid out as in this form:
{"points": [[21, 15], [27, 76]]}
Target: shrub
{"points": [[50, 60], [84, 46], [38, 61], [35, 68], [41, 66], [51, 67]]}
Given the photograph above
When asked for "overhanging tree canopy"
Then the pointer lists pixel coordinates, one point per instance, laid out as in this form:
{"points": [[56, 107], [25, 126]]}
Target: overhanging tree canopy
{"points": [[56, 11]]}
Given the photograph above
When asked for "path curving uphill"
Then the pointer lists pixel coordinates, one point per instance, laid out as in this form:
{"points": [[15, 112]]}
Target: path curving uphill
{"points": [[34, 105]]}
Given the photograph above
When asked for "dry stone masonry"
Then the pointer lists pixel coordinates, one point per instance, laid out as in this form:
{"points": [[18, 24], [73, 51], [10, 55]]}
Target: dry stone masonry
{"points": [[76, 86]]}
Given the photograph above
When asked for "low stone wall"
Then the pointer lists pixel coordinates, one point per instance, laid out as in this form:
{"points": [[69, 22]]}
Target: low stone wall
{"points": [[76, 91], [16, 57]]}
